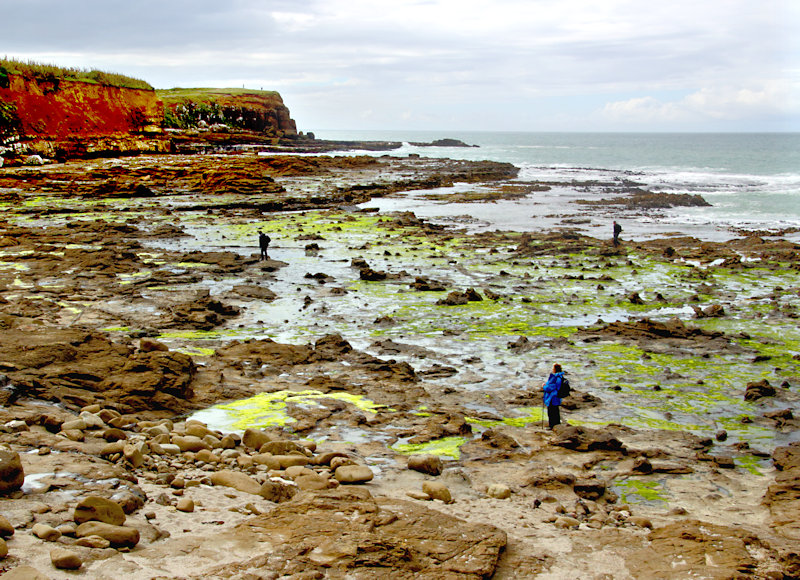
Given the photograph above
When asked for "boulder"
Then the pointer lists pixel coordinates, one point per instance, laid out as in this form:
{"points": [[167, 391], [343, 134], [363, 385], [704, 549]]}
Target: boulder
{"points": [[255, 438], [118, 536], [65, 559], [12, 475], [98, 509]]}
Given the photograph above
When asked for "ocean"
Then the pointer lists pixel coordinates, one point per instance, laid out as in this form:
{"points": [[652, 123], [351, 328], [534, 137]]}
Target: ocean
{"points": [[751, 180]]}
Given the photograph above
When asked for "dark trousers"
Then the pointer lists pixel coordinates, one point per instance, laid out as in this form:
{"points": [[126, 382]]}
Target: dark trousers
{"points": [[554, 415]]}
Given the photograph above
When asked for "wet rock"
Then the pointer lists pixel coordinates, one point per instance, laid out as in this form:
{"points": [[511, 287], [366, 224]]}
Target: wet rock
{"points": [[258, 292], [521, 345], [456, 298], [100, 509], [586, 439], [759, 390], [370, 275], [713, 311], [425, 284], [498, 439], [430, 464]]}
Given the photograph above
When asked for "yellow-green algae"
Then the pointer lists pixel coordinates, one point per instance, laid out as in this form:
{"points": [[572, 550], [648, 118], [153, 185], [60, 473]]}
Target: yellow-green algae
{"points": [[269, 409], [444, 447], [637, 491], [533, 415]]}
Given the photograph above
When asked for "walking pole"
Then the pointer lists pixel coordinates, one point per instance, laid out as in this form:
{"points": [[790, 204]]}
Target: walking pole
{"points": [[542, 410]]}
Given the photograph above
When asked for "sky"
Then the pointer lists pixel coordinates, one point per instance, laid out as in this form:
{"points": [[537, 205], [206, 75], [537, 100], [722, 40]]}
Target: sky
{"points": [[483, 65]]}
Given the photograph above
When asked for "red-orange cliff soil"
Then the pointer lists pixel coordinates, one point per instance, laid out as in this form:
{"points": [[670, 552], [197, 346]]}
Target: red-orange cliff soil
{"points": [[61, 109]]}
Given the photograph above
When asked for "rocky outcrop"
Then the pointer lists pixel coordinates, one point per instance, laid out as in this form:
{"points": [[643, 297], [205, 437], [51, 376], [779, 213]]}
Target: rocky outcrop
{"points": [[225, 109]]}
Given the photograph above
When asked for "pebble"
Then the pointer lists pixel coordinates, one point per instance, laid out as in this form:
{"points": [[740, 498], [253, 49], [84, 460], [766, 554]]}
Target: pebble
{"points": [[45, 532], [499, 491], [437, 490], [185, 504]]}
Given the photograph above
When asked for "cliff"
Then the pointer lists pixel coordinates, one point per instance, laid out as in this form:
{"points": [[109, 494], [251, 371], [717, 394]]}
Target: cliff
{"points": [[243, 109], [68, 113]]}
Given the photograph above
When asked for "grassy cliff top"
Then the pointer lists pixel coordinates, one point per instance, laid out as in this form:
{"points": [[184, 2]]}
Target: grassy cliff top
{"points": [[49, 72], [210, 94]]}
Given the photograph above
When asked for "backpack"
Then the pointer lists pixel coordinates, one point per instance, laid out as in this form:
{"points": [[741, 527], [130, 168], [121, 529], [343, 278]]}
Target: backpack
{"points": [[564, 389]]}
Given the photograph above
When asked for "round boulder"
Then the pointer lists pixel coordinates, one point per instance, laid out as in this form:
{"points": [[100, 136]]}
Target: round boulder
{"points": [[12, 476]]}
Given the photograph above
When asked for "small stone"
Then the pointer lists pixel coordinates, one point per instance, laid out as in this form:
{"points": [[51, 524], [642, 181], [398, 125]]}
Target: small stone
{"points": [[721, 435], [418, 495], [437, 490], [185, 504], [499, 491], [64, 559], [566, 522]]}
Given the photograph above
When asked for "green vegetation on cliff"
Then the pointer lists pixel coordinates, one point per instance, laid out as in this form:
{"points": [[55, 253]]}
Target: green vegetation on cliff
{"points": [[51, 73]]}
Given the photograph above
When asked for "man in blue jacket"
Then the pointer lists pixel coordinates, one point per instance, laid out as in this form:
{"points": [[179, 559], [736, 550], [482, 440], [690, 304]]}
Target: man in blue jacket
{"points": [[551, 398]]}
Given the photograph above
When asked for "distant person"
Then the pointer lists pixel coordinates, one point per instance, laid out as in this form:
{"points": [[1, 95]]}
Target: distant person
{"points": [[552, 397], [617, 231], [263, 243]]}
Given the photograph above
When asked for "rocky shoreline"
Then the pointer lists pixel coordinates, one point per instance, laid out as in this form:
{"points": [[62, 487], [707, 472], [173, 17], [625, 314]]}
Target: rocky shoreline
{"points": [[365, 403]]}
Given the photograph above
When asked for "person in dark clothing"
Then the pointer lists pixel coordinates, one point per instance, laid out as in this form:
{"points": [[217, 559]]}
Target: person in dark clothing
{"points": [[263, 243], [551, 399], [617, 231]]}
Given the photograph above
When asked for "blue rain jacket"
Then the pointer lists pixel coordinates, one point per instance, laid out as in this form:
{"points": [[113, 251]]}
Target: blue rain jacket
{"points": [[551, 387]]}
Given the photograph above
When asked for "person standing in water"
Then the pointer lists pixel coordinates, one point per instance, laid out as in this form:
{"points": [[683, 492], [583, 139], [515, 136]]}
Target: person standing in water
{"points": [[617, 232], [263, 243], [551, 399]]}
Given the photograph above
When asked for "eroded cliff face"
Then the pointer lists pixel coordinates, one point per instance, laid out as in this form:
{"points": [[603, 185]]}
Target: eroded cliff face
{"points": [[64, 118], [60, 109]]}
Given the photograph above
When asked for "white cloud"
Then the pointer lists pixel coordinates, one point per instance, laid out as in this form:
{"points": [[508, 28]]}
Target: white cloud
{"points": [[772, 98]]}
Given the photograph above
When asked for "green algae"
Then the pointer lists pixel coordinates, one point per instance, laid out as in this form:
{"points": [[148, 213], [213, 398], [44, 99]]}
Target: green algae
{"points": [[750, 463], [532, 415], [196, 351], [269, 409], [444, 447], [639, 491]]}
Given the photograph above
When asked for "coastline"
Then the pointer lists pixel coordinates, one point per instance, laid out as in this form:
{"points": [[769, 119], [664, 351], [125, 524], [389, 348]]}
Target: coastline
{"points": [[459, 368]]}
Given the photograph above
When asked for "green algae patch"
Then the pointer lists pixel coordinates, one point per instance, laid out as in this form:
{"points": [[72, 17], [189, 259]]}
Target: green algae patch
{"points": [[638, 491], [269, 409], [116, 329], [750, 463], [532, 415], [444, 447], [196, 351]]}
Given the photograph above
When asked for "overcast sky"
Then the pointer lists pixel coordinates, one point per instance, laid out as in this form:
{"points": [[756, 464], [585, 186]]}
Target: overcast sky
{"points": [[512, 65]]}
